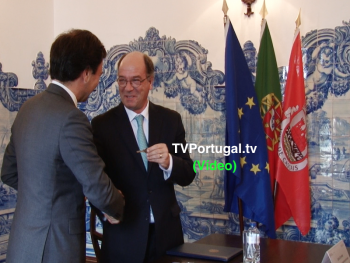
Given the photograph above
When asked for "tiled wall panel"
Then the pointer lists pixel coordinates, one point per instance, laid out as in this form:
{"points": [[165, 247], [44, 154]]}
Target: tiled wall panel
{"points": [[188, 83]]}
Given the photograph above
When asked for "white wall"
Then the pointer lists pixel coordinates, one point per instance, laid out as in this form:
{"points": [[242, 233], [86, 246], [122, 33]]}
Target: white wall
{"points": [[118, 22], [26, 27], [30, 26]]}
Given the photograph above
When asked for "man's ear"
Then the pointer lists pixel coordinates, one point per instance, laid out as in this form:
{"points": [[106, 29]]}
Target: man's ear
{"points": [[86, 75], [151, 81]]}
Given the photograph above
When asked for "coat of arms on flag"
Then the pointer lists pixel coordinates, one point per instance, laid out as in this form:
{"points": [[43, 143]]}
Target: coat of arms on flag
{"points": [[293, 148]]}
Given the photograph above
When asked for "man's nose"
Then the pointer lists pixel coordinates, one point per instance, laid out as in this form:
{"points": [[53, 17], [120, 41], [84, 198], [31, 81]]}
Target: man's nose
{"points": [[128, 86]]}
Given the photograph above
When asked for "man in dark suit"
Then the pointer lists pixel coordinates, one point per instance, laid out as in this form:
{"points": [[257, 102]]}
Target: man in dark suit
{"points": [[151, 223], [52, 161]]}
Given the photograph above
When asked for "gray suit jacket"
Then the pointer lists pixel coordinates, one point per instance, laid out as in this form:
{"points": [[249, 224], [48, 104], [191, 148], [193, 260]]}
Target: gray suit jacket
{"points": [[52, 161]]}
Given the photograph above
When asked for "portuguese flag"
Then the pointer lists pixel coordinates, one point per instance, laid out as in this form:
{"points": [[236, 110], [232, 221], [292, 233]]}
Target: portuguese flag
{"points": [[268, 90]]}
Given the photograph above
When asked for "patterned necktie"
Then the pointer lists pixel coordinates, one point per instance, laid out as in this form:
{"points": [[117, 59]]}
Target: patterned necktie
{"points": [[141, 138]]}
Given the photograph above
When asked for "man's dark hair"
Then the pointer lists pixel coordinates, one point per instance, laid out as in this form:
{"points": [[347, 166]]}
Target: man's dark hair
{"points": [[148, 63], [73, 52]]}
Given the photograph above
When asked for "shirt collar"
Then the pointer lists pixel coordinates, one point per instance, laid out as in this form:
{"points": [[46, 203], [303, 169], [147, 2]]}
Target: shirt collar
{"points": [[68, 90], [132, 114]]}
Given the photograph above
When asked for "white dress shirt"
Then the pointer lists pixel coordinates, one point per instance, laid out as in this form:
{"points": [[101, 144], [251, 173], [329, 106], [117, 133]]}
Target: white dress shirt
{"points": [[131, 114]]}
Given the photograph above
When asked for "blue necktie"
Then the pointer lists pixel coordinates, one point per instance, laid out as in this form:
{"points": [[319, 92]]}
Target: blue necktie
{"points": [[141, 138]]}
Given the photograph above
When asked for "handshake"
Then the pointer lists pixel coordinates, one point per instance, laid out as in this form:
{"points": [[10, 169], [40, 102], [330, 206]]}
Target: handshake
{"points": [[110, 219], [105, 217]]}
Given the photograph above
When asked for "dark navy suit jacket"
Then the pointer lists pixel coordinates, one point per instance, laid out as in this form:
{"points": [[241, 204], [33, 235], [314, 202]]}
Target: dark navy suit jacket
{"points": [[117, 145]]}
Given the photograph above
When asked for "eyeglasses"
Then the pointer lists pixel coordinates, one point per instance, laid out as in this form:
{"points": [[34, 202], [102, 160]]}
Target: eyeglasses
{"points": [[135, 83]]}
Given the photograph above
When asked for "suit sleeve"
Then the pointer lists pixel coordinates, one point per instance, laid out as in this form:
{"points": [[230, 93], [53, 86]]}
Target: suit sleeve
{"points": [[9, 174], [80, 154], [182, 173]]}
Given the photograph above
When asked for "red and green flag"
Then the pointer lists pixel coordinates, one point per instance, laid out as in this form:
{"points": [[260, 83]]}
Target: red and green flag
{"points": [[268, 91]]}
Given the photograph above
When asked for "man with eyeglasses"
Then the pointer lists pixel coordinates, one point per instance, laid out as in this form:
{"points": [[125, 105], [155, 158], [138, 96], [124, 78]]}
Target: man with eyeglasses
{"points": [[135, 141]]}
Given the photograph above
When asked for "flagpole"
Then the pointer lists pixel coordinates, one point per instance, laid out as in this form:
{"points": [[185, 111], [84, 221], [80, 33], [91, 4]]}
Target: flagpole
{"points": [[294, 201], [276, 189], [225, 9], [241, 223], [240, 206], [263, 12]]}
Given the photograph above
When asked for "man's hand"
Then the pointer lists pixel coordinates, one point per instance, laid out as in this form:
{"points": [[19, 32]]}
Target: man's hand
{"points": [[159, 153], [111, 219]]}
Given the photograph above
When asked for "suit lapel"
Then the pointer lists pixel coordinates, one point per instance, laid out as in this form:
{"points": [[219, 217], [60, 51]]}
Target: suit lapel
{"points": [[127, 134], [154, 129]]}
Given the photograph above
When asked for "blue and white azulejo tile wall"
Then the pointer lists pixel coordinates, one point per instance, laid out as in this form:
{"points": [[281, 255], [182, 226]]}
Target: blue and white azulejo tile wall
{"points": [[188, 83]]}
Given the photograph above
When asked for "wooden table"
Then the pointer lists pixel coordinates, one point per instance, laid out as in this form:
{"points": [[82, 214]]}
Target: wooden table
{"points": [[271, 250]]}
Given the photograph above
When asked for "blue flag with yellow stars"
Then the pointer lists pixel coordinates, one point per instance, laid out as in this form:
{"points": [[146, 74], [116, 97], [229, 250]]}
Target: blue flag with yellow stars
{"points": [[246, 137]]}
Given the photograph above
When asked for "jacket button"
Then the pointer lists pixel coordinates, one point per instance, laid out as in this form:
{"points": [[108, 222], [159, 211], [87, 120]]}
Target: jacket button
{"points": [[150, 192]]}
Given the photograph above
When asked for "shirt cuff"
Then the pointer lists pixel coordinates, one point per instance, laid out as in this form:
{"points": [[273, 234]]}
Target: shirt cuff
{"points": [[167, 172]]}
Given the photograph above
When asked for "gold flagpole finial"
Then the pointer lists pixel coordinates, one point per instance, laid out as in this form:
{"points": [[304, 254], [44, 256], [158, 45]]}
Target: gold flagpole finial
{"points": [[263, 11], [298, 21], [225, 9]]}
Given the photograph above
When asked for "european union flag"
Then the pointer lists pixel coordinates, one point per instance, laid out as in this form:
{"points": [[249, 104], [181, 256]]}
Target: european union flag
{"points": [[244, 129]]}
